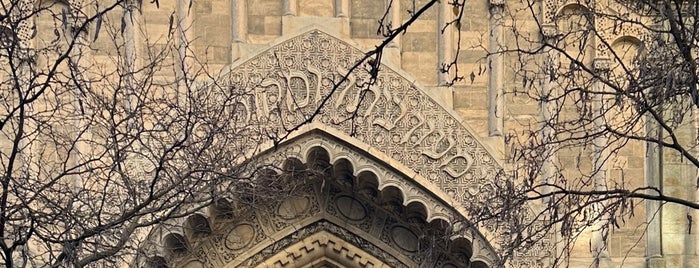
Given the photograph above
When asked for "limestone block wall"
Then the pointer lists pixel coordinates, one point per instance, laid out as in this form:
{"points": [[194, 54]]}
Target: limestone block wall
{"points": [[220, 32]]}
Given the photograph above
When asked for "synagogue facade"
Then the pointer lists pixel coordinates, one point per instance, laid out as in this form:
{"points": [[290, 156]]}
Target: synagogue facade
{"points": [[346, 167]]}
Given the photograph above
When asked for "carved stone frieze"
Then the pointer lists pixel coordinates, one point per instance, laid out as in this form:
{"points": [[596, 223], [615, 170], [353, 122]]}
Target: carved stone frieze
{"points": [[362, 163], [286, 245], [284, 86], [376, 227]]}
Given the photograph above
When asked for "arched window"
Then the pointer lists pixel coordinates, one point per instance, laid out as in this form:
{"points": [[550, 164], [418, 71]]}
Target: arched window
{"points": [[52, 25], [625, 52], [8, 38], [575, 23]]}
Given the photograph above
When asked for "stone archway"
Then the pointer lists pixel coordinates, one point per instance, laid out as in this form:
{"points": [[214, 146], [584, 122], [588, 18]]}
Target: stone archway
{"points": [[409, 163], [340, 208]]}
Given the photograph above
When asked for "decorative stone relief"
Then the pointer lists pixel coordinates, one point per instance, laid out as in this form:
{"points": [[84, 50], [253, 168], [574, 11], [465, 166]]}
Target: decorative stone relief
{"points": [[282, 87], [240, 236], [385, 177], [331, 228], [404, 238], [350, 208], [606, 23], [324, 202], [285, 85]]}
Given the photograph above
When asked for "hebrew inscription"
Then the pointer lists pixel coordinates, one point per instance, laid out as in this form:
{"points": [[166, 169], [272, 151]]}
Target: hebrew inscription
{"points": [[283, 87]]}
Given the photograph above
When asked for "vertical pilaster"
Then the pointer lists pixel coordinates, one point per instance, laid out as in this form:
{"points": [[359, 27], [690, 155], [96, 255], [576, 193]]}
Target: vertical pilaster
{"points": [[239, 20], [132, 16], [445, 44], [290, 8], [654, 178], [496, 64], [24, 148], [547, 111], [239, 27], [599, 230], [342, 8], [184, 30], [547, 108], [184, 47], [693, 214], [395, 10], [392, 52], [77, 66]]}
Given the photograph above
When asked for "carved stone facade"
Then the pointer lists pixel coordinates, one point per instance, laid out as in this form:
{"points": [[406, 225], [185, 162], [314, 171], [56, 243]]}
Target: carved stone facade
{"points": [[393, 138], [357, 209], [382, 175], [434, 147]]}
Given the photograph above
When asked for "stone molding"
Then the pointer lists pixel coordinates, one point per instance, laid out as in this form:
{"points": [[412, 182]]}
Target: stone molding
{"points": [[399, 134], [401, 120], [253, 237]]}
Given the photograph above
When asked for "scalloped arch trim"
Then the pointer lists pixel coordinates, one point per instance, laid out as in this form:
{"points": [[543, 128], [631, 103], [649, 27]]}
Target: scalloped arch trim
{"points": [[286, 83]]}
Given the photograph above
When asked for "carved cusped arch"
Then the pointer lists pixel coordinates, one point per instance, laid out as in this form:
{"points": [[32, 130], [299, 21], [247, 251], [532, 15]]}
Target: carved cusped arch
{"points": [[304, 78], [382, 167], [352, 210]]}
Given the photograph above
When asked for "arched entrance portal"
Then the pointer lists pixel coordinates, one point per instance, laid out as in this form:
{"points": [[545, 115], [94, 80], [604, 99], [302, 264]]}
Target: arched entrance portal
{"points": [[387, 188], [329, 205]]}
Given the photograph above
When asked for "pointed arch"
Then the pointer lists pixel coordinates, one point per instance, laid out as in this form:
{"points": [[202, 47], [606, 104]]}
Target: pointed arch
{"points": [[403, 169]]}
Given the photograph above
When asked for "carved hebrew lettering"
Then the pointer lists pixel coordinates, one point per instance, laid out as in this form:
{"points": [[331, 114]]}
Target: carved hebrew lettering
{"points": [[351, 79], [435, 152], [293, 101], [457, 165], [387, 122], [423, 135], [319, 76], [263, 98], [409, 136]]}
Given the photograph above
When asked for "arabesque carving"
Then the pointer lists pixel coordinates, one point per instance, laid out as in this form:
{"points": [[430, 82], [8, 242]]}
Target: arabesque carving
{"points": [[285, 84], [370, 206]]}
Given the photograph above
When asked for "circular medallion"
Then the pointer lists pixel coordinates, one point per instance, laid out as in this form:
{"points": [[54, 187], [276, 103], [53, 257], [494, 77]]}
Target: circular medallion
{"points": [[293, 207], [240, 236], [350, 208], [404, 238]]}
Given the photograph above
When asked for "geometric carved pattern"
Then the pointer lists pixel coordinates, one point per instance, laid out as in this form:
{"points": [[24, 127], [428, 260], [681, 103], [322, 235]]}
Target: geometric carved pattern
{"points": [[379, 220], [606, 23], [422, 149], [286, 83]]}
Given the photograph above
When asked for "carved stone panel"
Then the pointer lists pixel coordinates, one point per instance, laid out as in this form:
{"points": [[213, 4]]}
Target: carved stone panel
{"points": [[284, 86]]}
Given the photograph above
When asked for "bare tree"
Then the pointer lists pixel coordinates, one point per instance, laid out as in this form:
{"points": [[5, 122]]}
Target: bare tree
{"points": [[98, 145], [616, 87], [93, 151]]}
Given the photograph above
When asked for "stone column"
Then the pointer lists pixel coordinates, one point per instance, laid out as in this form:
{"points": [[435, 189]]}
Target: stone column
{"points": [[184, 47], [547, 111], [342, 8], [132, 16], [392, 51], [22, 62], [693, 247], [239, 20], [496, 100], [599, 231], [654, 178], [184, 30], [239, 27], [545, 106], [290, 8], [445, 45]]}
